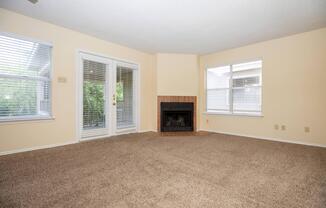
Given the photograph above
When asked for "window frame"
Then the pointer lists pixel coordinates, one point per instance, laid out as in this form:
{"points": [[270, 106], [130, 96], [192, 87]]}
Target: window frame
{"points": [[230, 88], [25, 77]]}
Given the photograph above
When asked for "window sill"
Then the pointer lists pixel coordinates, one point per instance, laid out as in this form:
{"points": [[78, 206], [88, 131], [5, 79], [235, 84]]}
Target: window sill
{"points": [[25, 119], [234, 114]]}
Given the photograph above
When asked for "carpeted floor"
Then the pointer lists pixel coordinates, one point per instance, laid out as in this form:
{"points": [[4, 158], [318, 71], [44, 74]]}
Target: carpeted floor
{"points": [[148, 170]]}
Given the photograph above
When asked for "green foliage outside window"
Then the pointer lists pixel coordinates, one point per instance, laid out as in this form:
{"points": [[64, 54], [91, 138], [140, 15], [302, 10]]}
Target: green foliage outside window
{"points": [[93, 104], [17, 97], [119, 91]]}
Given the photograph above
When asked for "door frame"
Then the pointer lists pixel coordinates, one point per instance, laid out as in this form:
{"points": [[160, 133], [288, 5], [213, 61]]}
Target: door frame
{"points": [[79, 90]]}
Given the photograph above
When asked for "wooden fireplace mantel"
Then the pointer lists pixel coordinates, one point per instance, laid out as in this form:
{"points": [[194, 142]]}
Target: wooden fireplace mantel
{"points": [[184, 99]]}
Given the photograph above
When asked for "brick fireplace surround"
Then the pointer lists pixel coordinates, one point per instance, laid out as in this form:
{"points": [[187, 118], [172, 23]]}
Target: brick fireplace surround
{"points": [[188, 99]]}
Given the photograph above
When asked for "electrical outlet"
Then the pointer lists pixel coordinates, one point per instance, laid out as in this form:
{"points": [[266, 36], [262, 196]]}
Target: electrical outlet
{"points": [[307, 129], [276, 127], [283, 127]]}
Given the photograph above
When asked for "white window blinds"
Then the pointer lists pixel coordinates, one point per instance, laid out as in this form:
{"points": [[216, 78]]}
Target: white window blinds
{"points": [[235, 88], [218, 87], [94, 74], [125, 98], [246, 81], [24, 79]]}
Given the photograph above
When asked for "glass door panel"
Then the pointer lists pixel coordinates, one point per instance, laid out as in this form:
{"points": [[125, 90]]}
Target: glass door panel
{"points": [[107, 97], [94, 103], [125, 98]]}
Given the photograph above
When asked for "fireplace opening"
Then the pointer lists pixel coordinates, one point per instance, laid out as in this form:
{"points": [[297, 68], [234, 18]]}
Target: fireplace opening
{"points": [[177, 116]]}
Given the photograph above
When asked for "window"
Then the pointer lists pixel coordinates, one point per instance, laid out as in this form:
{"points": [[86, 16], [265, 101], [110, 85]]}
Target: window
{"points": [[235, 89], [24, 79]]}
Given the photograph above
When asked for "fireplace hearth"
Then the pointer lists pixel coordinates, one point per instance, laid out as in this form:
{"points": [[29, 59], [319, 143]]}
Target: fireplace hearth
{"points": [[177, 116]]}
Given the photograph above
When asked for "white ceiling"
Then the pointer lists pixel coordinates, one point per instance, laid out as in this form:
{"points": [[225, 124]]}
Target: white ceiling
{"points": [[179, 26]]}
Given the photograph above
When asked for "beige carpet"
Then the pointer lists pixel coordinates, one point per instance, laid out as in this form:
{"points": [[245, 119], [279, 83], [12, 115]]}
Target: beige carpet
{"points": [[147, 170]]}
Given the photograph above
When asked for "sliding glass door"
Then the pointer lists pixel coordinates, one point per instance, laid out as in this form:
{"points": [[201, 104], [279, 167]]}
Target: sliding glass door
{"points": [[108, 96]]}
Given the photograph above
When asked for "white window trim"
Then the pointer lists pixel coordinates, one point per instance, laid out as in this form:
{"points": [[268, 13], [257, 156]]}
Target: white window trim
{"points": [[230, 112], [13, 119], [26, 118], [233, 114]]}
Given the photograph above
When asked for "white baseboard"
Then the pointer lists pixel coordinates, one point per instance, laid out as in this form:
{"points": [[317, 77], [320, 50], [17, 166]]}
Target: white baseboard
{"points": [[65, 143], [153, 130], [267, 138], [147, 130], [35, 148]]}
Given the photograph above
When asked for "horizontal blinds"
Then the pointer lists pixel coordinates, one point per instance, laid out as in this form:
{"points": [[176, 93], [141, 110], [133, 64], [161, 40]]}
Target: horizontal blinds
{"points": [[247, 99], [93, 94], [24, 78], [247, 87], [218, 87], [235, 88], [24, 58], [94, 71], [125, 98], [218, 100]]}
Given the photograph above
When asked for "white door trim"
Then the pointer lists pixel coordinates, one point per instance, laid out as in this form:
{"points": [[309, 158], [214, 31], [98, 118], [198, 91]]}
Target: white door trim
{"points": [[84, 134], [79, 76]]}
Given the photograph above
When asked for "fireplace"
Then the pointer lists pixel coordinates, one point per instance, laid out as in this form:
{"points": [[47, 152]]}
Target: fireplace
{"points": [[177, 116]]}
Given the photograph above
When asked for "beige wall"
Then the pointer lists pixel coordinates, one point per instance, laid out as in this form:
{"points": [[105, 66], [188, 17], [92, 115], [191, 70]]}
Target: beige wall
{"points": [[66, 42], [177, 74], [294, 77]]}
